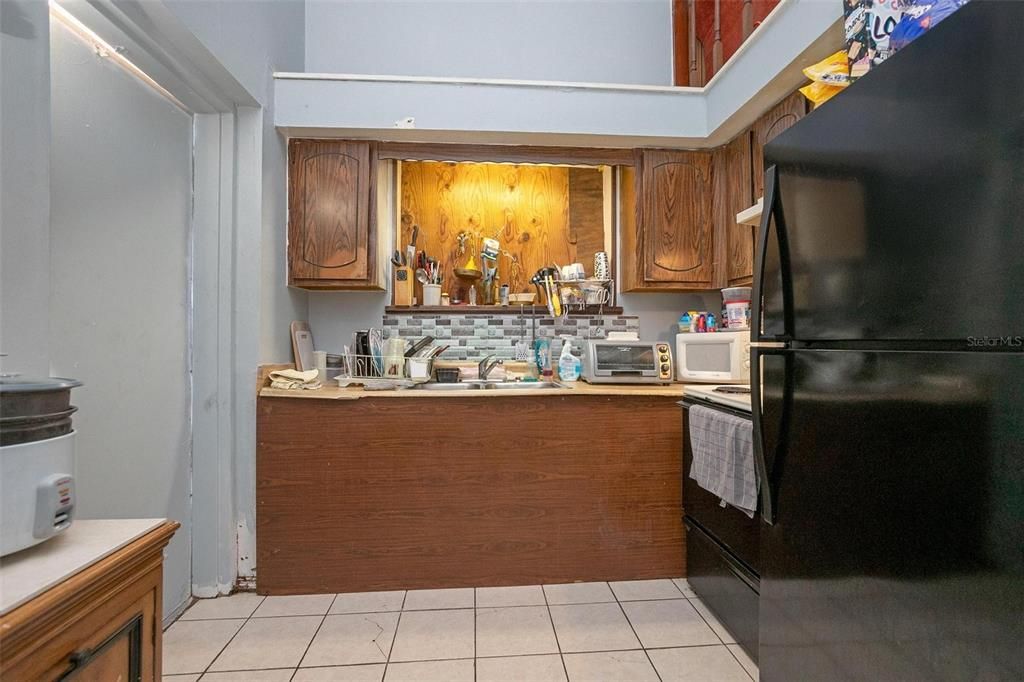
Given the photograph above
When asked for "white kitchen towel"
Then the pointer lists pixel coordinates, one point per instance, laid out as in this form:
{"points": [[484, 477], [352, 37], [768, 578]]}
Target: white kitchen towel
{"points": [[293, 378], [723, 456]]}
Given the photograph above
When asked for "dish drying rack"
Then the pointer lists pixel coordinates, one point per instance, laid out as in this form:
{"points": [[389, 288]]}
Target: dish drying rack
{"points": [[581, 285], [381, 373]]}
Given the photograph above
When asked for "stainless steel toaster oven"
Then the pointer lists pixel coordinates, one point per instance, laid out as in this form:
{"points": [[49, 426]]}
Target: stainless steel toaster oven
{"points": [[608, 361]]}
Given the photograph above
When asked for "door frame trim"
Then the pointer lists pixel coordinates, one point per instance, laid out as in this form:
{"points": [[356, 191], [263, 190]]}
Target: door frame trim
{"points": [[224, 292]]}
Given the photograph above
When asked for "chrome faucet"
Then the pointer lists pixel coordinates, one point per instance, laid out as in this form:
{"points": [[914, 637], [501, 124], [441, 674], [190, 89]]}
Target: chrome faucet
{"points": [[487, 365]]}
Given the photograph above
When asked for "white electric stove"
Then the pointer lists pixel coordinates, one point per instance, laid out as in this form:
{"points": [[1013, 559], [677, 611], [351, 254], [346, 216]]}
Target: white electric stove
{"points": [[722, 395]]}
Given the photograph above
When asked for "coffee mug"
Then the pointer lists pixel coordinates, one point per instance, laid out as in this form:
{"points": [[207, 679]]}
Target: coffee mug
{"points": [[573, 272]]}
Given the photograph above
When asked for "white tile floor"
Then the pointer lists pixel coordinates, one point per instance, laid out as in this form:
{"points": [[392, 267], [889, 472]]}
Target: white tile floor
{"points": [[621, 631]]}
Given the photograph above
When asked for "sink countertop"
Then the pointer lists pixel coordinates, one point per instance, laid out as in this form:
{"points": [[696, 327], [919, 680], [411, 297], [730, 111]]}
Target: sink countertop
{"points": [[579, 388]]}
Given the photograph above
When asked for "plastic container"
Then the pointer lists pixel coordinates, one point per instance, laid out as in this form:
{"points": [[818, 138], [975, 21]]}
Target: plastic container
{"points": [[737, 307], [542, 355], [568, 369], [419, 369], [447, 375]]}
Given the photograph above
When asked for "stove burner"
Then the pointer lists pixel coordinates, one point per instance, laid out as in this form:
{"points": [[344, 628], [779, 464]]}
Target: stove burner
{"points": [[744, 390]]}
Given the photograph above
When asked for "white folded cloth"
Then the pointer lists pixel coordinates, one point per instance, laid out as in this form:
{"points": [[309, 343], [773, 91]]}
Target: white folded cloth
{"points": [[293, 378], [723, 457]]}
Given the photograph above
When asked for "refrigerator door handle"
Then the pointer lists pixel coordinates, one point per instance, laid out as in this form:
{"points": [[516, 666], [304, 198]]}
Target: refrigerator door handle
{"points": [[756, 322], [757, 419], [759, 345], [771, 215]]}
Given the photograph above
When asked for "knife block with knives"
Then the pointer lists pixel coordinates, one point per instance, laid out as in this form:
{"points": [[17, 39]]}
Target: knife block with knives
{"points": [[402, 286]]}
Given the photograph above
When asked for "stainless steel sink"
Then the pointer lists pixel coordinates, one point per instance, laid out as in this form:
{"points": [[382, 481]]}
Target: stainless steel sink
{"points": [[445, 387], [490, 386], [522, 385]]}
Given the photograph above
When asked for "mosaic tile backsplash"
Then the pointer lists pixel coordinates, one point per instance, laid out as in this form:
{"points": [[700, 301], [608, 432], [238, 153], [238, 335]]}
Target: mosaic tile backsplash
{"points": [[474, 336]]}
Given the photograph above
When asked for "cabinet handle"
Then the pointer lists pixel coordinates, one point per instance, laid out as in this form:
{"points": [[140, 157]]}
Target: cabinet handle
{"points": [[133, 630], [76, 660]]}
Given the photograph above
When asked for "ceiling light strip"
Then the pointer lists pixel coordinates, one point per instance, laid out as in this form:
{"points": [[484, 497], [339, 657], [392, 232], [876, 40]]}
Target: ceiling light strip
{"points": [[107, 51]]}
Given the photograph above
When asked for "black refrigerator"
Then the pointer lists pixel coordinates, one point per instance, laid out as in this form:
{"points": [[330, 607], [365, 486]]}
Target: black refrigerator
{"points": [[888, 369]]}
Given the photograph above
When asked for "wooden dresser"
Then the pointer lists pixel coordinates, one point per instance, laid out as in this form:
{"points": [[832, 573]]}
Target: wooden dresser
{"points": [[86, 604]]}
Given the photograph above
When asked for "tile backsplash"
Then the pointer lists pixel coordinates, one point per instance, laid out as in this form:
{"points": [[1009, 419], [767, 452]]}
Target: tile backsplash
{"points": [[474, 336]]}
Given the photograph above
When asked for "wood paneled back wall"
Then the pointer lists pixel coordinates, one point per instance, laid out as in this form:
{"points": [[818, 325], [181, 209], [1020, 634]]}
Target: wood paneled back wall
{"points": [[527, 208]]}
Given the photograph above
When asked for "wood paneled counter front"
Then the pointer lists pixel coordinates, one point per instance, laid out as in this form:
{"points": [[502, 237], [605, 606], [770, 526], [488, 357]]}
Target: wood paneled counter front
{"points": [[396, 490]]}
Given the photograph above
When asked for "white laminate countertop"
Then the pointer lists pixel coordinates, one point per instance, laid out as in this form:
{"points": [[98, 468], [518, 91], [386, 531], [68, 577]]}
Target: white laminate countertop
{"points": [[30, 572]]}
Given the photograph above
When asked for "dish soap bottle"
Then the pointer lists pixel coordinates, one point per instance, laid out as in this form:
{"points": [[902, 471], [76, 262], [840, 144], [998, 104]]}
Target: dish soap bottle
{"points": [[568, 364]]}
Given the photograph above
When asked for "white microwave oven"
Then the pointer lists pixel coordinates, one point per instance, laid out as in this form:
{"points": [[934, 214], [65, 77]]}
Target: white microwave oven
{"points": [[713, 357]]}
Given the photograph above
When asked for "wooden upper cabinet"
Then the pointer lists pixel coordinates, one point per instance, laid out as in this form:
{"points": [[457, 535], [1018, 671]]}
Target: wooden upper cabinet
{"points": [[734, 193], [781, 117], [331, 216], [678, 228], [678, 233]]}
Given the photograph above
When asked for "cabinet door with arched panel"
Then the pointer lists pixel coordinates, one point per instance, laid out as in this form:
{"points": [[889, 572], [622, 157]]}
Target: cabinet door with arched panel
{"points": [[331, 196], [678, 230], [778, 119]]}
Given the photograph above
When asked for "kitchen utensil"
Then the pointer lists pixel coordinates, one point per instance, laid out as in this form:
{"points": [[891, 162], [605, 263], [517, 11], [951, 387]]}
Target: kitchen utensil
{"points": [[419, 345], [433, 351], [410, 250], [397, 259], [539, 280], [421, 276], [556, 303], [302, 346]]}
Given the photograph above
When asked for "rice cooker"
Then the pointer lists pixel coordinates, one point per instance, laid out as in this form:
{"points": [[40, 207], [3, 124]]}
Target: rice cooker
{"points": [[37, 460]]}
